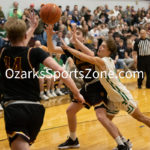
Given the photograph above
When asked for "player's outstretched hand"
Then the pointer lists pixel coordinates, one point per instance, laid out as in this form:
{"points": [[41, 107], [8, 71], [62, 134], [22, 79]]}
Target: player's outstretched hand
{"points": [[33, 20], [64, 45], [49, 30]]}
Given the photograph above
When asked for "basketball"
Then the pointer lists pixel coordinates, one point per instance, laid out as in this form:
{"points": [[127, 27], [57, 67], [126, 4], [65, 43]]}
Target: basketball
{"points": [[50, 13]]}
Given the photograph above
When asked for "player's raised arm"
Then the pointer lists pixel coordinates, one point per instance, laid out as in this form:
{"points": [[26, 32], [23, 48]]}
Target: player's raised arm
{"points": [[51, 63], [51, 47], [33, 22], [84, 57]]}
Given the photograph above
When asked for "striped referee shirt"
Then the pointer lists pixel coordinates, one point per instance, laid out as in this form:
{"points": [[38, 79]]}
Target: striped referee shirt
{"points": [[142, 46]]}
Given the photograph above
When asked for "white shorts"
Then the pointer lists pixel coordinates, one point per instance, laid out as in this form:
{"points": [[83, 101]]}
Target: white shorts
{"points": [[113, 108]]}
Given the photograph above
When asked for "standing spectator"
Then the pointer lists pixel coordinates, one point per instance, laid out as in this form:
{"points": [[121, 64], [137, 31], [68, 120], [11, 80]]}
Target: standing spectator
{"points": [[15, 8], [32, 9], [141, 56]]}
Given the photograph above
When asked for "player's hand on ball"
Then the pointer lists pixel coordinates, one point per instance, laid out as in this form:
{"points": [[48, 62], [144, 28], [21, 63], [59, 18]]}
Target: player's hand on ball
{"points": [[49, 30]]}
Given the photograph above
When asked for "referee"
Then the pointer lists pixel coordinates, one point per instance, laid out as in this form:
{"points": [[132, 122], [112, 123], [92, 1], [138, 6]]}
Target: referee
{"points": [[141, 55]]}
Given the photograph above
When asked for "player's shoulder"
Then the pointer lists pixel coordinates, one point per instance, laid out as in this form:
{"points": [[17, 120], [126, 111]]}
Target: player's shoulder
{"points": [[107, 59]]}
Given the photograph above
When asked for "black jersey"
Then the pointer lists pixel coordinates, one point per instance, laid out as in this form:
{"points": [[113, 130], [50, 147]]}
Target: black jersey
{"points": [[18, 66], [86, 68]]}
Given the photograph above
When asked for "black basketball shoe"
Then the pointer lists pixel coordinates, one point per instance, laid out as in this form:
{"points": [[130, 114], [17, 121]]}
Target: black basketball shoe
{"points": [[69, 143], [123, 147]]}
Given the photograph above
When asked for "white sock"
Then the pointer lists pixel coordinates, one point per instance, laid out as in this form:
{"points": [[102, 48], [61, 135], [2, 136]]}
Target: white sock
{"points": [[73, 135], [119, 140], [42, 92], [123, 139], [47, 91]]}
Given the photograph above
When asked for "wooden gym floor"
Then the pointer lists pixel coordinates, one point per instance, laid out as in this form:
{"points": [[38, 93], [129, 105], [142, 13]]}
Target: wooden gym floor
{"points": [[92, 135]]}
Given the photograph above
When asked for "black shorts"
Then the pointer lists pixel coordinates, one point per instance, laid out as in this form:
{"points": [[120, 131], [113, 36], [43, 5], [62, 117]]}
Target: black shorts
{"points": [[94, 95], [23, 120]]}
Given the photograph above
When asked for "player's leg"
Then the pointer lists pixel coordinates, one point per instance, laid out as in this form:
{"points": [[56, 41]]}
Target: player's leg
{"points": [[141, 117], [20, 144], [110, 127], [125, 141], [111, 117], [72, 141]]}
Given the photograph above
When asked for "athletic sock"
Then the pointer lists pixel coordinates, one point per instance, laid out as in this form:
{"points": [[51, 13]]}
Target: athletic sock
{"points": [[124, 139], [42, 92], [73, 135], [119, 140]]}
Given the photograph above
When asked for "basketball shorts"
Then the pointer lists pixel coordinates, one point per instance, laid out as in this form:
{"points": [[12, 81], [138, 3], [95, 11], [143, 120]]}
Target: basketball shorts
{"points": [[23, 120], [113, 108], [94, 95]]}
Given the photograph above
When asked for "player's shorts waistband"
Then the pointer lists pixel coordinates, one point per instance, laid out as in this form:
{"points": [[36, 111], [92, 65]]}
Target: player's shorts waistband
{"points": [[11, 102]]}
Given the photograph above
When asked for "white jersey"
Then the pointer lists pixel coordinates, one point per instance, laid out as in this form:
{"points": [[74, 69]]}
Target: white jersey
{"points": [[116, 91]]}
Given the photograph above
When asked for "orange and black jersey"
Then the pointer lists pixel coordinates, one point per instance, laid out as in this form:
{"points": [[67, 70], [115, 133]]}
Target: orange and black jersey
{"points": [[17, 65], [83, 66]]}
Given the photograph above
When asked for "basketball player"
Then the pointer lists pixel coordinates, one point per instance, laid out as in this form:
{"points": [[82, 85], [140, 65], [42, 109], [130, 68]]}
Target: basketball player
{"points": [[119, 97], [23, 112], [93, 93]]}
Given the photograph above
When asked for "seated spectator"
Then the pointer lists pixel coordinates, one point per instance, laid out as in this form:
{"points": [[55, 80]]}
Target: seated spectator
{"points": [[146, 19], [68, 10], [116, 11], [119, 60], [2, 16], [67, 38], [94, 32], [112, 22], [83, 11], [87, 15], [38, 34], [75, 18], [44, 76], [15, 11], [129, 61], [60, 83], [2, 29]]}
